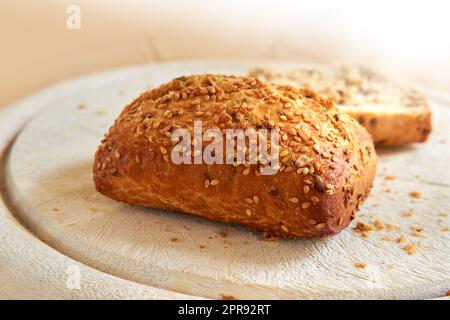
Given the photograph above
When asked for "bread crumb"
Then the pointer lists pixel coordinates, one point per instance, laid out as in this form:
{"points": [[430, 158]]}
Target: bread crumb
{"points": [[202, 246], [360, 265], [392, 227], [415, 194], [386, 238], [270, 237], [445, 229], [100, 111], [407, 214], [378, 225], [224, 233], [363, 229], [226, 297], [173, 239], [415, 234], [388, 177], [410, 249], [391, 266], [400, 240], [81, 106]]}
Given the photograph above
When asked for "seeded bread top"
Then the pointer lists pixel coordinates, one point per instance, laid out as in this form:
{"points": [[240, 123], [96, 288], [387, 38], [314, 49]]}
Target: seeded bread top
{"points": [[348, 86], [311, 129]]}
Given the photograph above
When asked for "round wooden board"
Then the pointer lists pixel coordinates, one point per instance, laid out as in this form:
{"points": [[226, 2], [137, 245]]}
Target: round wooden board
{"points": [[154, 253]]}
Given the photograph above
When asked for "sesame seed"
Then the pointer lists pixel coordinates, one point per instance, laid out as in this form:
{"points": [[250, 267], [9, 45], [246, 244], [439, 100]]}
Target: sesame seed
{"points": [[317, 148], [206, 183], [415, 194], [306, 205], [166, 158], [248, 212], [284, 153], [360, 265], [292, 131], [163, 150], [117, 154], [293, 200], [410, 249], [156, 125], [214, 182], [305, 189], [246, 171], [168, 114], [249, 200], [256, 199], [302, 161], [284, 228], [320, 226], [312, 221]]}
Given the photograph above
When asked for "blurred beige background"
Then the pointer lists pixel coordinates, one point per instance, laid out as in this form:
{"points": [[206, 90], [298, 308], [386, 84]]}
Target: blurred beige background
{"points": [[408, 39]]}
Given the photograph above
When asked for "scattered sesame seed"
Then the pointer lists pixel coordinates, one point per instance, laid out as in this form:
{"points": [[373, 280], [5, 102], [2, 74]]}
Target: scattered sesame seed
{"points": [[410, 248], [306, 205], [249, 200], [284, 153], [284, 228], [293, 200], [360, 265], [415, 194], [305, 189], [163, 150], [302, 161]]}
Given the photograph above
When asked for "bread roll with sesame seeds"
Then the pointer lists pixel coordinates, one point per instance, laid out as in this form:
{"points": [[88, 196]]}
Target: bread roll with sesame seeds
{"points": [[327, 160]]}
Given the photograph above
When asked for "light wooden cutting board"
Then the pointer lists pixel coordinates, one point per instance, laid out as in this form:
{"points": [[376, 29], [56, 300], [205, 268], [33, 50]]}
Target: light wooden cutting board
{"points": [[61, 239]]}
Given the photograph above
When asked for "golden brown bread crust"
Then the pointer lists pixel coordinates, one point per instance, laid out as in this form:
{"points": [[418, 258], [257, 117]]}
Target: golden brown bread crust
{"points": [[390, 129], [392, 113], [320, 198]]}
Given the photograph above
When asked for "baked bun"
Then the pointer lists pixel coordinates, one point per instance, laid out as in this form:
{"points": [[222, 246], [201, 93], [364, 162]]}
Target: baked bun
{"points": [[326, 166]]}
